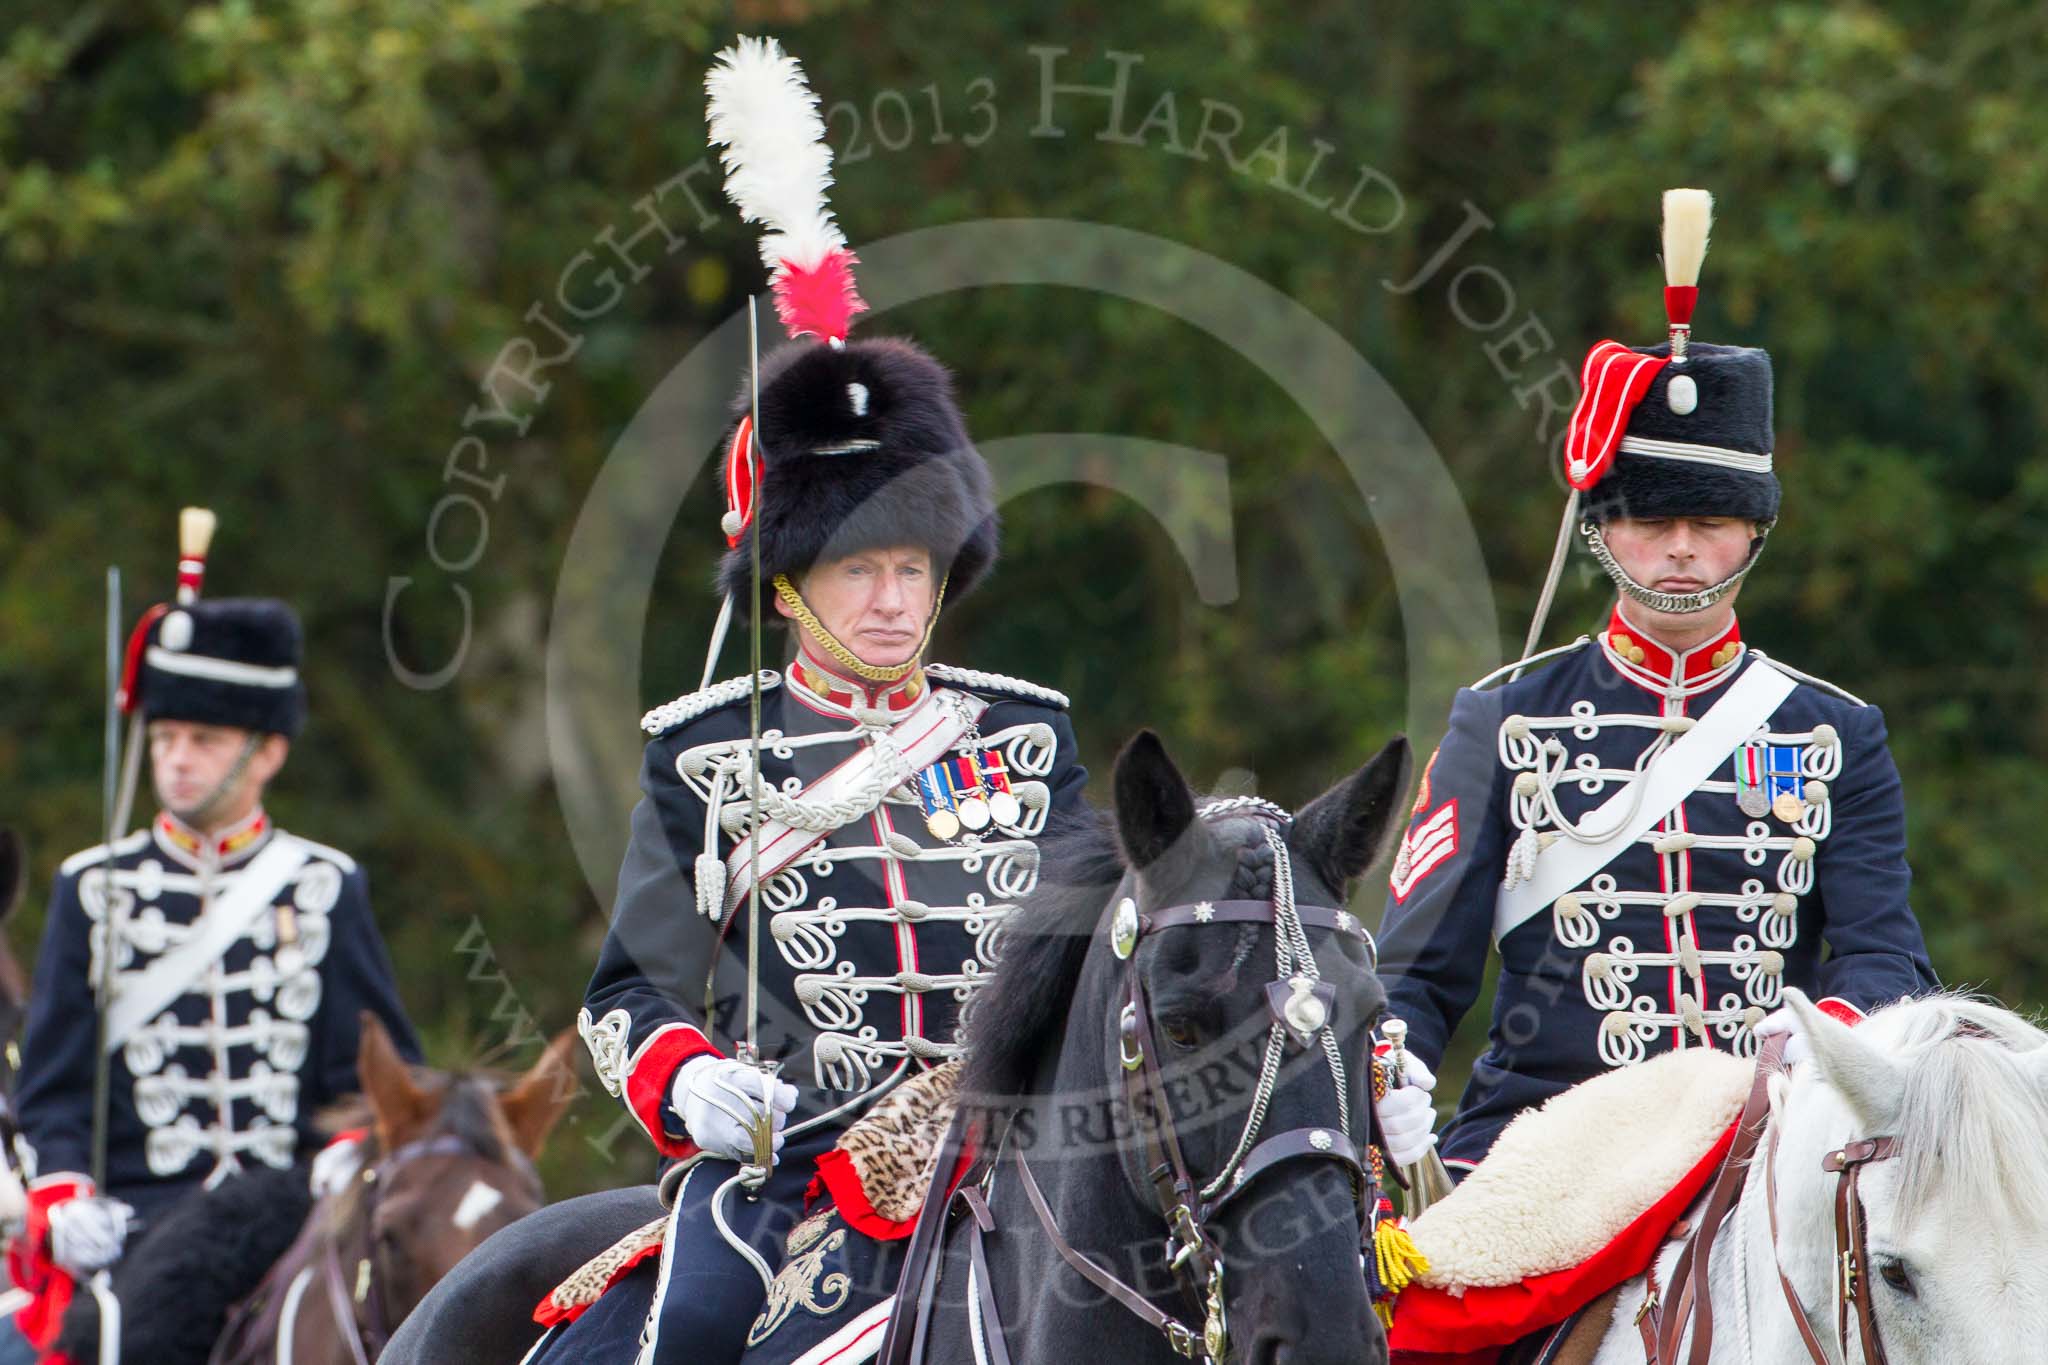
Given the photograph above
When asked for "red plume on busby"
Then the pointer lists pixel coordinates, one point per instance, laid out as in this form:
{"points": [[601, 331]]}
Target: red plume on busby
{"points": [[861, 444]]}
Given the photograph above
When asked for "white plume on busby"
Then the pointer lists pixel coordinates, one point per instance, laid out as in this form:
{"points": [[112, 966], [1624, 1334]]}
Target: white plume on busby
{"points": [[777, 169], [862, 445]]}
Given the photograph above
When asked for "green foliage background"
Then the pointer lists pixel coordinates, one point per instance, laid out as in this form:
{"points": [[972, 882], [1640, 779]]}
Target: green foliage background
{"points": [[263, 255]]}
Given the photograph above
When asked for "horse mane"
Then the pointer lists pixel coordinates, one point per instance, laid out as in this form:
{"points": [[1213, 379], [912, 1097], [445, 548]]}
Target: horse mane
{"points": [[1972, 1096], [1019, 1015]]}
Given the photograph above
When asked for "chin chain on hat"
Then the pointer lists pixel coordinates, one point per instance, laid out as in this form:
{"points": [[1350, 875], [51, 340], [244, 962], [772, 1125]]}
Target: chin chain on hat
{"points": [[1676, 438]]}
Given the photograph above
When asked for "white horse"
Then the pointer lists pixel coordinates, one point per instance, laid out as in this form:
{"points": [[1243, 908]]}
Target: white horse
{"points": [[1958, 1219]]}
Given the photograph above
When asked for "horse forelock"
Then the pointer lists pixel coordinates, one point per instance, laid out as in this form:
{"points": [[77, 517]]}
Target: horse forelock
{"points": [[1972, 1100]]}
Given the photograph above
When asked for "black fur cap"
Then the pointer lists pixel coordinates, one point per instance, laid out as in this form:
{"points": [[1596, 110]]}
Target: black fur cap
{"points": [[261, 632], [863, 448], [1733, 411]]}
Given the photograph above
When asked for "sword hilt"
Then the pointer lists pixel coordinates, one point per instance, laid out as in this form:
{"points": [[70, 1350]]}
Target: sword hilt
{"points": [[761, 1123], [1395, 1031], [1428, 1181]]}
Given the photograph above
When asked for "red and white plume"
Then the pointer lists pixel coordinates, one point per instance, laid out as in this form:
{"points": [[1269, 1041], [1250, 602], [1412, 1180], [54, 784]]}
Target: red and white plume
{"points": [[1616, 377], [1688, 216], [777, 167]]}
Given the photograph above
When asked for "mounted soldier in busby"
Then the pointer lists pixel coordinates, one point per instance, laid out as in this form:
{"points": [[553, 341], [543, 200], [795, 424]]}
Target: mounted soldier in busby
{"points": [[824, 853], [230, 960], [1660, 828]]}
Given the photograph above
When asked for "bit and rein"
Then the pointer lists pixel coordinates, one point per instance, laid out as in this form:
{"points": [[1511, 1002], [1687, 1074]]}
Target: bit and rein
{"points": [[1663, 1325], [1303, 1009]]}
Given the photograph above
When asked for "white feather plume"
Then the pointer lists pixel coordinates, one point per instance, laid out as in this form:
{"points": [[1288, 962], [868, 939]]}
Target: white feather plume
{"points": [[1688, 214], [777, 164]]}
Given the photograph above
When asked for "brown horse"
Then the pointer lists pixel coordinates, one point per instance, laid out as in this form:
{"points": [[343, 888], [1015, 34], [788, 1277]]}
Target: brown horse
{"points": [[446, 1163], [445, 1160]]}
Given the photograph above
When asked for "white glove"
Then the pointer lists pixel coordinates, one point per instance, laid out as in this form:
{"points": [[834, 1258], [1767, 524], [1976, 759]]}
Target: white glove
{"points": [[335, 1165], [716, 1098], [1783, 1020], [1407, 1118], [87, 1233]]}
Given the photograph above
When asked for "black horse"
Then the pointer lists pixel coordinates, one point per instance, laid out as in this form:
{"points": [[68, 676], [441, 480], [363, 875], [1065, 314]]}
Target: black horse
{"points": [[1052, 1042], [1173, 897]]}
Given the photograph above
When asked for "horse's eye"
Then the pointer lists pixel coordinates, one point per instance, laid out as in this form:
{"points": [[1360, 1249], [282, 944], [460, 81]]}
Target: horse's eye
{"points": [[1897, 1276], [1180, 1032]]}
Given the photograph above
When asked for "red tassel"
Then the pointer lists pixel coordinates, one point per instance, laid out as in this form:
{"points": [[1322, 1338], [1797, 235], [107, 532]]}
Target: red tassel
{"points": [[819, 301]]}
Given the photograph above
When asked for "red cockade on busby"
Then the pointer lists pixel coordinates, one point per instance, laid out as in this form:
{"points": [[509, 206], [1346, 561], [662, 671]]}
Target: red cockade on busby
{"points": [[860, 444]]}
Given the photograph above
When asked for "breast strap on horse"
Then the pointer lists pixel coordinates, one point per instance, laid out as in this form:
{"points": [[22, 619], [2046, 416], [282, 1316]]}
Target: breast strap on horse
{"points": [[1692, 1303], [1196, 1259]]}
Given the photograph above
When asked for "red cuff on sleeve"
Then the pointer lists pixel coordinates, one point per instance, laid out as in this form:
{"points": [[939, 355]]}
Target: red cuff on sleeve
{"points": [[1835, 1007], [651, 1075], [29, 1264]]}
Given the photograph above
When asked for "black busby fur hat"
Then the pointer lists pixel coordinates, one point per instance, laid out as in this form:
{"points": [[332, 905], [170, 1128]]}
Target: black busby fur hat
{"points": [[225, 661], [1729, 408], [863, 448]]}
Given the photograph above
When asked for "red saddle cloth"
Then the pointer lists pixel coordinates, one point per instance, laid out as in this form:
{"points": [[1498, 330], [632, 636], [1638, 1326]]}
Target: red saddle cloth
{"points": [[1437, 1327]]}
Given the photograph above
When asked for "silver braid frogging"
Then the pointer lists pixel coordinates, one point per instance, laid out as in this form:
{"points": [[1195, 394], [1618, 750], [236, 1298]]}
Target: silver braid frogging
{"points": [[1672, 602]]}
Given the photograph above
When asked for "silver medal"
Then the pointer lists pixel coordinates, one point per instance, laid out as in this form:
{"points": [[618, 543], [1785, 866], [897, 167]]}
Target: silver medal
{"points": [[974, 813]]}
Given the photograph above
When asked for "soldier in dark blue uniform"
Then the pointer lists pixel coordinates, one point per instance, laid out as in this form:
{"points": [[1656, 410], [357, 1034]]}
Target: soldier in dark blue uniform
{"points": [[242, 959], [893, 810], [1658, 827]]}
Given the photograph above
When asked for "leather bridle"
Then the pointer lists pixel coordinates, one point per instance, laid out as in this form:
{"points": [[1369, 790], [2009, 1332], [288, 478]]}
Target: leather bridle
{"points": [[1304, 1013], [1691, 1305]]}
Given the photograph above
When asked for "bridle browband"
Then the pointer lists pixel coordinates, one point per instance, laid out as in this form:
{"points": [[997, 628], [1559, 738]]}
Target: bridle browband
{"points": [[1691, 1305], [1303, 1010]]}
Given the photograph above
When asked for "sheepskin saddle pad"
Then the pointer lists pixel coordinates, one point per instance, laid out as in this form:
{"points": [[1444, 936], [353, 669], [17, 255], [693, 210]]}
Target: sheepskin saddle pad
{"points": [[1565, 1180]]}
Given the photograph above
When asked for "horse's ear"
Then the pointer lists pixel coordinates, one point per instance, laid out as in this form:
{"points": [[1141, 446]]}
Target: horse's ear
{"points": [[1870, 1079], [13, 872], [397, 1102], [540, 1097], [1343, 830], [1155, 808]]}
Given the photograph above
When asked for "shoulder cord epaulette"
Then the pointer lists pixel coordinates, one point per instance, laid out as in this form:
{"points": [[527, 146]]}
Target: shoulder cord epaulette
{"points": [[1538, 658], [997, 682], [1844, 693], [691, 705]]}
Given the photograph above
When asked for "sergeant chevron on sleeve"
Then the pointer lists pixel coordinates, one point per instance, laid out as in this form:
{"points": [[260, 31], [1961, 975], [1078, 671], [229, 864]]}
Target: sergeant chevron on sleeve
{"points": [[1658, 827], [242, 958]]}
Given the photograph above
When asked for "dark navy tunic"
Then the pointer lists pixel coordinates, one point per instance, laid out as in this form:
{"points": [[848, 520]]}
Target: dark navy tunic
{"points": [[873, 938], [235, 1068], [1688, 934]]}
